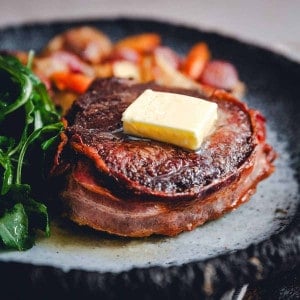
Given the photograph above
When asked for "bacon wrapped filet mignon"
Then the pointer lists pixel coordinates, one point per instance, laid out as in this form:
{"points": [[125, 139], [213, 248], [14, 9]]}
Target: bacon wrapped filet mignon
{"points": [[138, 187]]}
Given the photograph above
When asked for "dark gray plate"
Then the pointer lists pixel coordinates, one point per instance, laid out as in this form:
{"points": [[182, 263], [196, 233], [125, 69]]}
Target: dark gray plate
{"points": [[254, 242]]}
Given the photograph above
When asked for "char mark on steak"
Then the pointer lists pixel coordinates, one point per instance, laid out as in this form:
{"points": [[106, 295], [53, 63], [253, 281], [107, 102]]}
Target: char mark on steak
{"points": [[138, 187]]}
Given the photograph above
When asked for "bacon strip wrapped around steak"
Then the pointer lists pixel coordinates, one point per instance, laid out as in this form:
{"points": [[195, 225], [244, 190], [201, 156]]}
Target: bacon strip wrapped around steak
{"points": [[139, 187]]}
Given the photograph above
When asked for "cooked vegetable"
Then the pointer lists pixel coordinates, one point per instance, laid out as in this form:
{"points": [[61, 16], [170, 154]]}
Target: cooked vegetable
{"points": [[29, 125], [220, 74], [196, 60], [76, 82], [142, 43]]}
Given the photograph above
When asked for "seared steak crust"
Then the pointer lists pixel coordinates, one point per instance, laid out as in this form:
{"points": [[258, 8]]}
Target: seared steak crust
{"points": [[138, 187]]}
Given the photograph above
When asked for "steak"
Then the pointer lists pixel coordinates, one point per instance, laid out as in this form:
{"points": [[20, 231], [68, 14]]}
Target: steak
{"points": [[138, 187]]}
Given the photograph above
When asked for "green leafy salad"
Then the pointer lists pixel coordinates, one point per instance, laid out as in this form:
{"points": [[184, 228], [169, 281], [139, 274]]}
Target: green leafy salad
{"points": [[29, 129]]}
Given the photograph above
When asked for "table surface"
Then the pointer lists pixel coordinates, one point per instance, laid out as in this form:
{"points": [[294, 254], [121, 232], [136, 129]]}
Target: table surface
{"points": [[273, 24]]}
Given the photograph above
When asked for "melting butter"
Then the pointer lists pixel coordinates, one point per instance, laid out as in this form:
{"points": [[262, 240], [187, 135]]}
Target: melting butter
{"points": [[177, 119]]}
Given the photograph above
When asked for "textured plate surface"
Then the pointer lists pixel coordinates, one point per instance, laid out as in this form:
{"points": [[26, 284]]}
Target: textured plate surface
{"points": [[253, 242]]}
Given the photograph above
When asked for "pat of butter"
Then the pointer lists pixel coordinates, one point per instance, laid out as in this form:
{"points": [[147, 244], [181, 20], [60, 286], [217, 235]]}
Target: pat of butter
{"points": [[177, 119]]}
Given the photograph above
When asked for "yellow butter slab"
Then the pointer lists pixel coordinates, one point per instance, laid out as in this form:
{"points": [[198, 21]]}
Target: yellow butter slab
{"points": [[173, 118]]}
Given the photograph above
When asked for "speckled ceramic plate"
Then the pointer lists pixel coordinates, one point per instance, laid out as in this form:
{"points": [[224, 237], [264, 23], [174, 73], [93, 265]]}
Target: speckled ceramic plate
{"points": [[255, 241]]}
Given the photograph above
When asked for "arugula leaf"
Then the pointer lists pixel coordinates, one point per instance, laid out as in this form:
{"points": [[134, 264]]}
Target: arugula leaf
{"points": [[25, 84], [36, 211], [24, 102], [14, 228]]}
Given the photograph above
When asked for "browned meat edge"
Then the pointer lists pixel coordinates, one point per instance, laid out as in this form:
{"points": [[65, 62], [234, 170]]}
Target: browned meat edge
{"points": [[87, 202]]}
